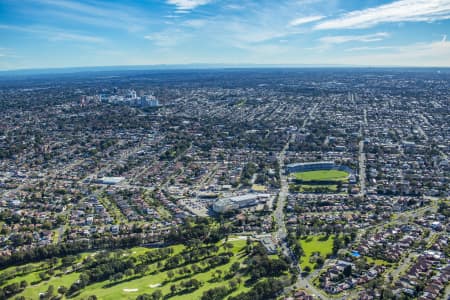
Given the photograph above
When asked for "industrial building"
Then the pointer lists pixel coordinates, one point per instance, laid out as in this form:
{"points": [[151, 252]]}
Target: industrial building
{"points": [[236, 202]]}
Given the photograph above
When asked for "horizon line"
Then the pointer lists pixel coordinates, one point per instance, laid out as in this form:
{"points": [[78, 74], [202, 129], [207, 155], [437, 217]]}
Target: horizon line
{"points": [[194, 66]]}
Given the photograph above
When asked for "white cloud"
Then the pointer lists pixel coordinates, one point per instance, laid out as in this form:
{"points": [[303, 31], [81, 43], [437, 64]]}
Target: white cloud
{"points": [[187, 4], [339, 39], [66, 36], [397, 11], [234, 6], [54, 34], [430, 54], [356, 49], [196, 23], [97, 13], [168, 38], [304, 20]]}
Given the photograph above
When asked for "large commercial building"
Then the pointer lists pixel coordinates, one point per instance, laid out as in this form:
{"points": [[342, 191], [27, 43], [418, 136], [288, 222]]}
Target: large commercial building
{"points": [[310, 166], [236, 202], [110, 180]]}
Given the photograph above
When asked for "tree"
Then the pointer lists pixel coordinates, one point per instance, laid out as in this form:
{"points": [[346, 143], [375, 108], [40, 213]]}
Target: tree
{"points": [[217, 293], [228, 246], [320, 261], [157, 295], [170, 274], [233, 284], [118, 276], [129, 272], [298, 249], [336, 244], [53, 261], [347, 271], [195, 268], [62, 290], [235, 267], [50, 291], [23, 284], [387, 294], [173, 288]]}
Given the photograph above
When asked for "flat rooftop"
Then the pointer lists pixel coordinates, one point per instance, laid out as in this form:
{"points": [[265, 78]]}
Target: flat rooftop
{"points": [[310, 163]]}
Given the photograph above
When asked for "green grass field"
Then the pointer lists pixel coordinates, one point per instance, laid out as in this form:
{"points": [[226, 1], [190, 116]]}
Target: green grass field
{"points": [[307, 187], [132, 286], [144, 284], [315, 244], [324, 175], [378, 262]]}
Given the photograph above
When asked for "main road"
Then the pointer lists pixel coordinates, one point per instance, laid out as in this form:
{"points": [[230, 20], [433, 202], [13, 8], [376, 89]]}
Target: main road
{"points": [[281, 233], [362, 168], [362, 156]]}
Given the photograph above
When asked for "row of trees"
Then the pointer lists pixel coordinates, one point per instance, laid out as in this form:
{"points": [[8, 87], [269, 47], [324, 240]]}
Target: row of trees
{"points": [[263, 290], [103, 268], [12, 289], [59, 250]]}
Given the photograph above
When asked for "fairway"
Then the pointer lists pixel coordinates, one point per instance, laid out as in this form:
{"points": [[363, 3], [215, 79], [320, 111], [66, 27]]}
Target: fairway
{"points": [[134, 285], [323, 175]]}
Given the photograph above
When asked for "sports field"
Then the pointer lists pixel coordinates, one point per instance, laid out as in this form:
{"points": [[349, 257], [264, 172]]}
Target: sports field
{"points": [[322, 175], [315, 244]]}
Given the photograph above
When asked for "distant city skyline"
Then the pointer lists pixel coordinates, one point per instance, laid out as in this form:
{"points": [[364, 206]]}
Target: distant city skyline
{"points": [[65, 33]]}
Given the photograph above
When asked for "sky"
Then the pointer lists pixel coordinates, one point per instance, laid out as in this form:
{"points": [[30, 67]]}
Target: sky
{"points": [[68, 33]]}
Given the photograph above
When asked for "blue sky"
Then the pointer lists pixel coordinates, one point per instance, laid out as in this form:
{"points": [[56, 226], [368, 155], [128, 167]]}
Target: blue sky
{"points": [[66, 33]]}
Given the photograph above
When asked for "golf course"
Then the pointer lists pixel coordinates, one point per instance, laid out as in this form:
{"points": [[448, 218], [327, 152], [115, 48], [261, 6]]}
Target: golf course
{"points": [[174, 272]]}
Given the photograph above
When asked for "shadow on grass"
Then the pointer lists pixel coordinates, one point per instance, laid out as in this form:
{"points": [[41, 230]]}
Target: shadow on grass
{"points": [[180, 293], [111, 284], [77, 293], [323, 238]]}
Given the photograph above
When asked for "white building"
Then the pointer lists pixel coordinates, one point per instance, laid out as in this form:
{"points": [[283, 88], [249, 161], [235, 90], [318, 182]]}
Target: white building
{"points": [[236, 202], [111, 180]]}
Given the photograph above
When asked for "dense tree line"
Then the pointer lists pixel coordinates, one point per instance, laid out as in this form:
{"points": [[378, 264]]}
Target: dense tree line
{"points": [[101, 269], [199, 229], [64, 249], [259, 264], [216, 293], [155, 255], [264, 290], [247, 173], [12, 289]]}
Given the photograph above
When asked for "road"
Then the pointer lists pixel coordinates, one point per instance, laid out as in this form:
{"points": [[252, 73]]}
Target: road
{"points": [[282, 196], [61, 231], [281, 232], [362, 169], [362, 157]]}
